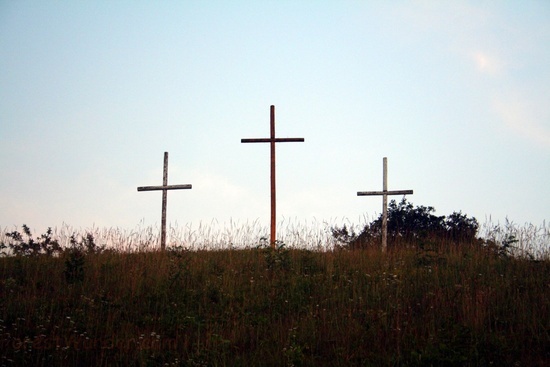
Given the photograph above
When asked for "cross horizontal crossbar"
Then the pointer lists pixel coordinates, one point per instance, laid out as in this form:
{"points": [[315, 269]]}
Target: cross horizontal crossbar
{"points": [[396, 192], [168, 187], [276, 140]]}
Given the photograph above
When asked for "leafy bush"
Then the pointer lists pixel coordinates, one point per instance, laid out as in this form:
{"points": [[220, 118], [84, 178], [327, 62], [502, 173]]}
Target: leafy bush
{"points": [[23, 244], [409, 224], [43, 245], [86, 244], [277, 258], [505, 248], [76, 256], [74, 266]]}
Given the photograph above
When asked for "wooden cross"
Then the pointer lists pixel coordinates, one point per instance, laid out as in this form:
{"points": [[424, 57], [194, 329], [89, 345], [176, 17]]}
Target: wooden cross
{"points": [[165, 187], [272, 140], [384, 194]]}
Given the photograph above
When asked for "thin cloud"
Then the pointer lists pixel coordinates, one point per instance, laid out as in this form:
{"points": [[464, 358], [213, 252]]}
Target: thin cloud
{"points": [[213, 192], [486, 63]]}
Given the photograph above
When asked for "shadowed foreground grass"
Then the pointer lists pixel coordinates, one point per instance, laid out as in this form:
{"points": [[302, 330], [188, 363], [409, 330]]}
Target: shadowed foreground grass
{"points": [[262, 307]]}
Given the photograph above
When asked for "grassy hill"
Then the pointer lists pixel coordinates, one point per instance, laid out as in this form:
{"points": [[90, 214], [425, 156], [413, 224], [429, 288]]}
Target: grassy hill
{"points": [[447, 306]]}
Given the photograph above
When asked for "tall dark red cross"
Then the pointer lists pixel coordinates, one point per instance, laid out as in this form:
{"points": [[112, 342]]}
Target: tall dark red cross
{"points": [[272, 140]]}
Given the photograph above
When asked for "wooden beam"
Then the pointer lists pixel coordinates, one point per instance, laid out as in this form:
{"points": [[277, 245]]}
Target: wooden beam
{"points": [[384, 193], [164, 188], [169, 187], [272, 140]]}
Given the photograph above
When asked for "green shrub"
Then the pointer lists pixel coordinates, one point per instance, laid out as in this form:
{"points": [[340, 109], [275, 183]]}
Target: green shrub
{"points": [[409, 224], [27, 246]]}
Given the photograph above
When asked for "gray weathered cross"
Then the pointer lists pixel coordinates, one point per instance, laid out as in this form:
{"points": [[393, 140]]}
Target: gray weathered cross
{"points": [[165, 187], [384, 194], [272, 140]]}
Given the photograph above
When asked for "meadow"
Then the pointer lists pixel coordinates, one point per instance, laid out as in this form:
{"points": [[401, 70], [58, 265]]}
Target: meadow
{"points": [[236, 304]]}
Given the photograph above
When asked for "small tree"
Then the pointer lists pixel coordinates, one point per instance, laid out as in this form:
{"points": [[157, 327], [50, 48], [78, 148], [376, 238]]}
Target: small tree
{"points": [[409, 224], [460, 228], [75, 259]]}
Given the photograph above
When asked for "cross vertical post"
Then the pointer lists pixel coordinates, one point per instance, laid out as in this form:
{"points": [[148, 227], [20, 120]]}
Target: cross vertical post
{"points": [[272, 140], [385, 203], [384, 193], [273, 235], [164, 199], [165, 187]]}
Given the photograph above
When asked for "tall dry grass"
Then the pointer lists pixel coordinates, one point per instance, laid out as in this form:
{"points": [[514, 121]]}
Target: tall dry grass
{"points": [[212, 235], [530, 240]]}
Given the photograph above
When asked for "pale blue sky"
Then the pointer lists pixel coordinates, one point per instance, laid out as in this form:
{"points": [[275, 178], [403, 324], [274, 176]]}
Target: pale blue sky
{"points": [[455, 94]]}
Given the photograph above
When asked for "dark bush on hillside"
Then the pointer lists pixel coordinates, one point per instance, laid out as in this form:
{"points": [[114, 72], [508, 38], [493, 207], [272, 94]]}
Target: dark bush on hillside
{"points": [[411, 225], [43, 245], [22, 244], [86, 244]]}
